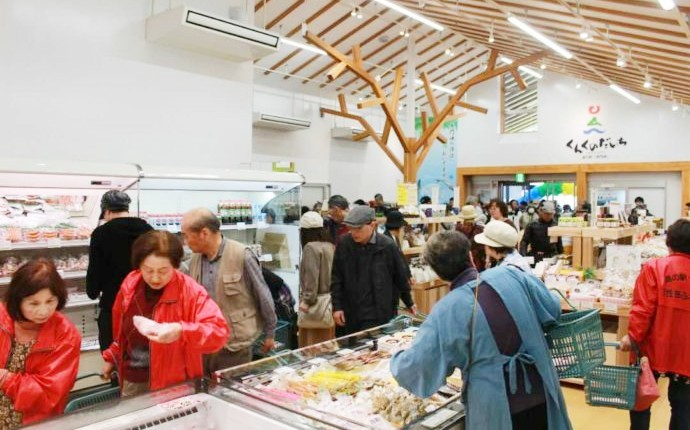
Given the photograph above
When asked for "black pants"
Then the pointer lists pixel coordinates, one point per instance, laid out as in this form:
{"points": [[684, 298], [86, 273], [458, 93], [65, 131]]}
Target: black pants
{"points": [[679, 398], [105, 328], [535, 418]]}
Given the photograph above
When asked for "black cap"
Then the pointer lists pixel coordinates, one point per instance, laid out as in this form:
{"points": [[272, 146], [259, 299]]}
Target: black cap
{"points": [[115, 201], [394, 219]]}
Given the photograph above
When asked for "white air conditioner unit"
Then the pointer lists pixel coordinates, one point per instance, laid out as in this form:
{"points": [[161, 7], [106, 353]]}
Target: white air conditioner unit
{"points": [[349, 133], [278, 122], [197, 31]]}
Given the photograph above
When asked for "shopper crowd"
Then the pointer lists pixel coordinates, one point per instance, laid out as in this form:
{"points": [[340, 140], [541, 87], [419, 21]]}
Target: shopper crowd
{"points": [[162, 322]]}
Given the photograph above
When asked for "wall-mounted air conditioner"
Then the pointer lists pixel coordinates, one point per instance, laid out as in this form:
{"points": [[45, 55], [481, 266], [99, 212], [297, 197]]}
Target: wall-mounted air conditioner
{"points": [[349, 133], [197, 31], [279, 122]]}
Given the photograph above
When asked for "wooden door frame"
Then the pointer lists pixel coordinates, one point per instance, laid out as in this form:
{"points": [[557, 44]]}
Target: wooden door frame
{"points": [[581, 171]]}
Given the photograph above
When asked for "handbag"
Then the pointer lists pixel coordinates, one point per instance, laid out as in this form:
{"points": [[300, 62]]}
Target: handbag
{"points": [[319, 315], [647, 388]]}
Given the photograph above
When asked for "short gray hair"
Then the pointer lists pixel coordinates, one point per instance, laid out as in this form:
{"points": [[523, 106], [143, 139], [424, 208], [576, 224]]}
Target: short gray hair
{"points": [[201, 218], [448, 253]]}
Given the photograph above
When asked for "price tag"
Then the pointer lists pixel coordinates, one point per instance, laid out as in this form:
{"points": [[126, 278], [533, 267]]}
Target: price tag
{"points": [[283, 370], [344, 351], [241, 225], [587, 304], [576, 303], [316, 361], [610, 307]]}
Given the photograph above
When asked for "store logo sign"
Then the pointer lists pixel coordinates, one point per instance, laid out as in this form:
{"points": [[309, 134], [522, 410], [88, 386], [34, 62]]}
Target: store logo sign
{"points": [[594, 143]]}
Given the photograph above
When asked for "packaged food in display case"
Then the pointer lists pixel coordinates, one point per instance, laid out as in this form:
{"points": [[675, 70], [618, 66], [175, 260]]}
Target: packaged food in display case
{"points": [[347, 383]]}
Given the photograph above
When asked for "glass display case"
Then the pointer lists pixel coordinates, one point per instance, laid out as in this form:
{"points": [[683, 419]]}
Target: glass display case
{"points": [[255, 208], [346, 384], [48, 208]]}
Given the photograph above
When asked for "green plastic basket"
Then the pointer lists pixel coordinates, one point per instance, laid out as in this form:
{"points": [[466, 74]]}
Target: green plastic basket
{"points": [[612, 386], [576, 342], [93, 399], [282, 338]]}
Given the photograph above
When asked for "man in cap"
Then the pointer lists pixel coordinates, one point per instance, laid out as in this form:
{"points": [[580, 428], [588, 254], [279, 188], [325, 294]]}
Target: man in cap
{"points": [[110, 257], [536, 241], [368, 276], [231, 274]]}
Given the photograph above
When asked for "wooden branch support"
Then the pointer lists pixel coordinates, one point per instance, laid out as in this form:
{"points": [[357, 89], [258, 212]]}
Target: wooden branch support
{"points": [[472, 107], [518, 79], [336, 71], [412, 156]]}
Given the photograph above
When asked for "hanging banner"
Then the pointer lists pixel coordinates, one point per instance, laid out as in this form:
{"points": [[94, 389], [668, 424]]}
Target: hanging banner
{"points": [[439, 167]]}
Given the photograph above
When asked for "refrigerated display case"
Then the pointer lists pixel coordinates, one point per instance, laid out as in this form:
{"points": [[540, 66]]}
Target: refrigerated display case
{"points": [[49, 208], [346, 383]]}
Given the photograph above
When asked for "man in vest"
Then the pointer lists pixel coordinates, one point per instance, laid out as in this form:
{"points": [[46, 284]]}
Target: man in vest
{"points": [[231, 274]]}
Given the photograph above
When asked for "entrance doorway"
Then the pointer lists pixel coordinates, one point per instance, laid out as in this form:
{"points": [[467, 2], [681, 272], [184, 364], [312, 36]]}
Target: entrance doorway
{"points": [[562, 192]]}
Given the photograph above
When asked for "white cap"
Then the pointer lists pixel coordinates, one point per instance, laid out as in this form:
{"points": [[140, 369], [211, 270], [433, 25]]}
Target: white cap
{"points": [[498, 234]]}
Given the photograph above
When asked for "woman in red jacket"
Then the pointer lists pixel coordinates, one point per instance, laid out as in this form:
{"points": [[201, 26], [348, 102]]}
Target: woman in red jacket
{"points": [[660, 322], [39, 347], [190, 323]]}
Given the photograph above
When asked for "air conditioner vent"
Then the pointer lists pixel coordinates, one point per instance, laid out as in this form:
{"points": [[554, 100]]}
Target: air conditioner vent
{"points": [[279, 122], [197, 31]]}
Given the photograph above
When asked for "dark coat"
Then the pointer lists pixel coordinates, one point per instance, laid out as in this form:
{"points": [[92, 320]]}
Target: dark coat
{"points": [[388, 279]]}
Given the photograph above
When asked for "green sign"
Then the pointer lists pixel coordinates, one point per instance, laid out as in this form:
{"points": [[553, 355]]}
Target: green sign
{"points": [[519, 177]]}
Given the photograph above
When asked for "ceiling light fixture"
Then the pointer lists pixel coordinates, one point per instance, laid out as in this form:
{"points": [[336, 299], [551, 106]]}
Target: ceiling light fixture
{"points": [[621, 61], [667, 4], [417, 17], [584, 33], [304, 46], [625, 94], [540, 37], [578, 84], [647, 82], [674, 106], [419, 82], [491, 33], [522, 68], [542, 65]]}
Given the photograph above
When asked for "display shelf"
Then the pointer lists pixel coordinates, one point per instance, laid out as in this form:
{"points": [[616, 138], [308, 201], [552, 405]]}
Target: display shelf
{"points": [[242, 226], [427, 294], [616, 233], [42, 245], [559, 231], [78, 303], [79, 274]]}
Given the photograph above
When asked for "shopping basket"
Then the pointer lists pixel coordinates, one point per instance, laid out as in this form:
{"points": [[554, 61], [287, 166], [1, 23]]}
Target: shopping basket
{"points": [[282, 338], [576, 342], [612, 386], [93, 397]]}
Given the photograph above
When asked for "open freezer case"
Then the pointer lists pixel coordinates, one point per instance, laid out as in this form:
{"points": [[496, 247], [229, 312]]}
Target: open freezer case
{"points": [[191, 406], [347, 384]]}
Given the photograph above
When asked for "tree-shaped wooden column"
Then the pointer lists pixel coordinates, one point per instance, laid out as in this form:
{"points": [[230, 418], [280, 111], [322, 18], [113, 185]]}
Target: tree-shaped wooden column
{"points": [[415, 150]]}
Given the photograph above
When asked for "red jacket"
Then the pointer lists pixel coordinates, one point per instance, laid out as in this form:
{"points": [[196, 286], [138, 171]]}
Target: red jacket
{"points": [[204, 329], [660, 316], [49, 371]]}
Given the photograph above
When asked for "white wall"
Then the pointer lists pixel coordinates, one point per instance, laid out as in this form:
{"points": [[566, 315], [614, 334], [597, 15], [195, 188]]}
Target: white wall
{"points": [[354, 169], [79, 81], [652, 131]]}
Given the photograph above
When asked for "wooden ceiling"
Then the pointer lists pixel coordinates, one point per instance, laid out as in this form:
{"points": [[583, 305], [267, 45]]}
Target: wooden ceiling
{"points": [[656, 43]]}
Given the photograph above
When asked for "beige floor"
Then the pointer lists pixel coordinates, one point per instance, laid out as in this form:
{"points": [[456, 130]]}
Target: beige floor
{"points": [[585, 417]]}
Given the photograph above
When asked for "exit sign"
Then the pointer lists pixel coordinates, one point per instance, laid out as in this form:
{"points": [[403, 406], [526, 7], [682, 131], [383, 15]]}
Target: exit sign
{"points": [[519, 177]]}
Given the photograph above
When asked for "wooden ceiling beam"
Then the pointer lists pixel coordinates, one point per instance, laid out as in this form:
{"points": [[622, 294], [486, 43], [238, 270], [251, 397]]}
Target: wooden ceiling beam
{"points": [[284, 13]]}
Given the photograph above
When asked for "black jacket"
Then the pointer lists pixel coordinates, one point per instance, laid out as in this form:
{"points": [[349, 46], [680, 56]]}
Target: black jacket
{"points": [[387, 278], [536, 236], [109, 257]]}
